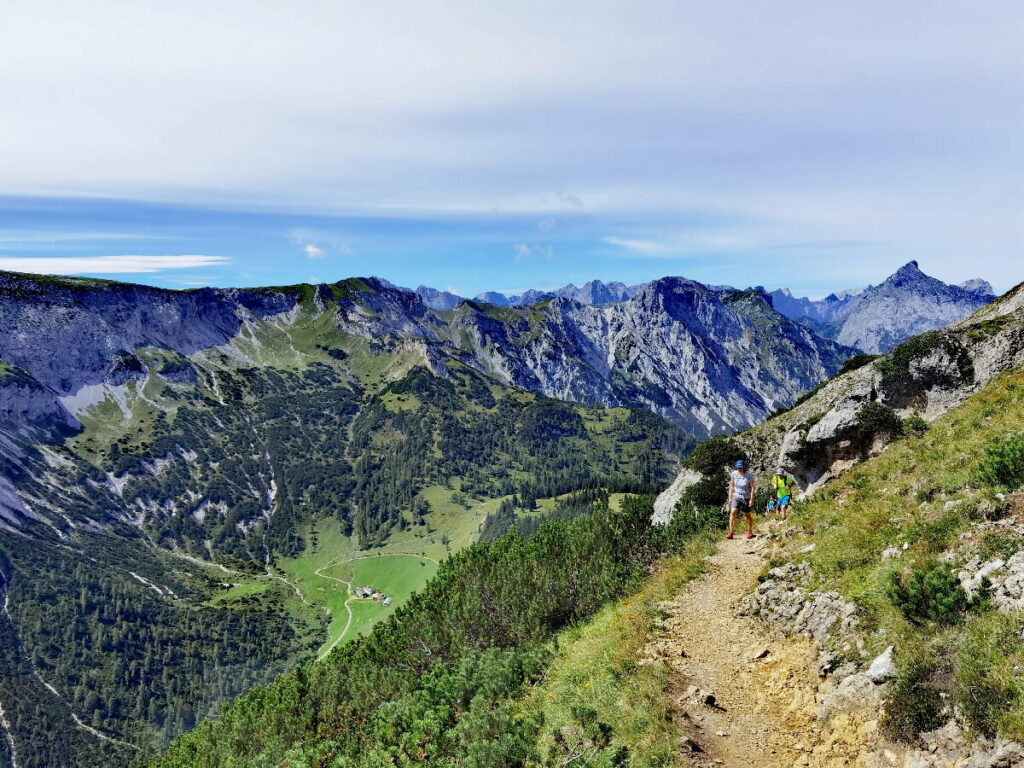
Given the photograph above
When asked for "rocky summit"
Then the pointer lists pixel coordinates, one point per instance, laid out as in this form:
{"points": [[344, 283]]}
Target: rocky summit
{"points": [[878, 318]]}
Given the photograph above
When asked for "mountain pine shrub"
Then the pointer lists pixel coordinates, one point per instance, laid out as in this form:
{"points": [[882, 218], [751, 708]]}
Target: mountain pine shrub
{"points": [[711, 458], [855, 362], [876, 417], [897, 363], [913, 426], [1003, 463], [930, 593]]}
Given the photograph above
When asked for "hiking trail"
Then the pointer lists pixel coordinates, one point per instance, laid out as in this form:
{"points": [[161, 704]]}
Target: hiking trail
{"points": [[743, 698]]}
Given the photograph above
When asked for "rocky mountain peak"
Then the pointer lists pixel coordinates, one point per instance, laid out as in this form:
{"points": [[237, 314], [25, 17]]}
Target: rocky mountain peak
{"points": [[977, 285]]}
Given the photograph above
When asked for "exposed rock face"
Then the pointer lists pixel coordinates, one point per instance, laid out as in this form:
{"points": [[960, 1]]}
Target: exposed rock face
{"points": [[67, 333], [984, 287], [711, 361], [436, 299], [593, 292], [1006, 578], [495, 298], [908, 303], [784, 603], [29, 408], [820, 313], [878, 318], [666, 502]]}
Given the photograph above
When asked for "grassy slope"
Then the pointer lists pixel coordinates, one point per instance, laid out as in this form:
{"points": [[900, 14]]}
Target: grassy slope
{"points": [[902, 498], [597, 665]]}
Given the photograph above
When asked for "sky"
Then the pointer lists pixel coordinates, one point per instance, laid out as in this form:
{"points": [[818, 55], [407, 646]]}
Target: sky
{"points": [[479, 146]]}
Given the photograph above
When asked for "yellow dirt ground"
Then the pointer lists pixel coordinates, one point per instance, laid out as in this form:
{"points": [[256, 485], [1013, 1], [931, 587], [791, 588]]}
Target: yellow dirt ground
{"points": [[764, 710]]}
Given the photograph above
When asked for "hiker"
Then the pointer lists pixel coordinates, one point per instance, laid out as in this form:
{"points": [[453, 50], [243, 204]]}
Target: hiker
{"points": [[741, 496], [783, 485]]}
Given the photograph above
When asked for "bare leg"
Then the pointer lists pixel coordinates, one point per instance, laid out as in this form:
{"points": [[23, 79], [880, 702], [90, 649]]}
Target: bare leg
{"points": [[732, 520], [750, 522]]}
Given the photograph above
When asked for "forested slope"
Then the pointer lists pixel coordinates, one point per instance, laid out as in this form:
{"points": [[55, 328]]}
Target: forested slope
{"points": [[164, 548]]}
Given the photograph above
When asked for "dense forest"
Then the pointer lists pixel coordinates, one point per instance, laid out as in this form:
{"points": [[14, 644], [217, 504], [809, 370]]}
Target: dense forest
{"points": [[438, 683]]}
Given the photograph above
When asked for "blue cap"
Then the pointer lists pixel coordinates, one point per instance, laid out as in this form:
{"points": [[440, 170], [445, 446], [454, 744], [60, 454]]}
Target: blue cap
{"points": [[740, 464]]}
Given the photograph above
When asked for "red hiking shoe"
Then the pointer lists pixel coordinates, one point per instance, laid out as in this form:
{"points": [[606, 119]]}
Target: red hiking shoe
{"points": [[728, 536], [750, 535]]}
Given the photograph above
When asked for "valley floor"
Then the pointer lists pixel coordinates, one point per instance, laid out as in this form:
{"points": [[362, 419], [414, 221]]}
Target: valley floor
{"points": [[744, 700]]}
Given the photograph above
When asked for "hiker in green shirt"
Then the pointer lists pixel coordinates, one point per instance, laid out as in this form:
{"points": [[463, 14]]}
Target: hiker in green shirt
{"points": [[783, 484]]}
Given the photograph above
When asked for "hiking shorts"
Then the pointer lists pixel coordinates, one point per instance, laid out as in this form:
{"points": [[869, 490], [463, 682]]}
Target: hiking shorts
{"points": [[740, 505], [784, 500]]}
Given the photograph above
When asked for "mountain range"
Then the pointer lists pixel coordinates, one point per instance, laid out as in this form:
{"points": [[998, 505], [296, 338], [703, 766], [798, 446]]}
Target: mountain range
{"points": [[593, 292], [191, 482], [872, 319], [877, 318], [880, 622]]}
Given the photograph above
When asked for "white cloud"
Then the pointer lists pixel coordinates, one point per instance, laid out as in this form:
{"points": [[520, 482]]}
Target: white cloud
{"points": [[888, 122], [523, 252], [313, 251], [452, 289], [108, 265], [23, 238], [546, 225], [646, 247]]}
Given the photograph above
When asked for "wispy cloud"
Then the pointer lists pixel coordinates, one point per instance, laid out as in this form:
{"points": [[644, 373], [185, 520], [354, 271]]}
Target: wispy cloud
{"points": [[33, 237], [646, 247], [318, 244], [108, 265], [570, 199], [523, 252]]}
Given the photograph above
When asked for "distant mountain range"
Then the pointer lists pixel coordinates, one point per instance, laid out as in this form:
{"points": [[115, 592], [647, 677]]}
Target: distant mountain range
{"points": [[877, 318], [873, 319], [594, 292]]}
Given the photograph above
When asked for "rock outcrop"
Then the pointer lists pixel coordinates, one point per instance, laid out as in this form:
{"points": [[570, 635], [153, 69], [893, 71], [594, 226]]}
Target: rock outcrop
{"points": [[831, 431]]}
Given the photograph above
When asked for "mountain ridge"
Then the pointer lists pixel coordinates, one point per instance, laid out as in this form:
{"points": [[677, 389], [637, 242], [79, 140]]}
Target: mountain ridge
{"points": [[606, 353]]}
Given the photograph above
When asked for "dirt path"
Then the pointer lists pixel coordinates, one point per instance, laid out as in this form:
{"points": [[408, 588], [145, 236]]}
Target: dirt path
{"points": [[348, 591], [745, 700]]}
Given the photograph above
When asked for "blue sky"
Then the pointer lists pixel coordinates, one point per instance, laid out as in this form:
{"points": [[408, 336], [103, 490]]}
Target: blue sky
{"points": [[465, 145]]}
